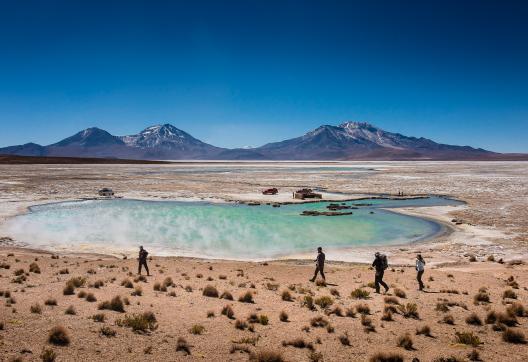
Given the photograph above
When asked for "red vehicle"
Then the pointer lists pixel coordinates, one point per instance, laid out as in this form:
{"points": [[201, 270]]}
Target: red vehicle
{"points": [[272, 191]]}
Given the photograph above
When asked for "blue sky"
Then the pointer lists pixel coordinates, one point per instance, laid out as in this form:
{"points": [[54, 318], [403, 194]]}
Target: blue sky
{"points": [[239, 73]]}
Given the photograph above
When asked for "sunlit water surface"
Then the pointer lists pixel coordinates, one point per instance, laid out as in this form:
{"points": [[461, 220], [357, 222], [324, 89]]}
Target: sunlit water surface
{"points": [[216, 230]]}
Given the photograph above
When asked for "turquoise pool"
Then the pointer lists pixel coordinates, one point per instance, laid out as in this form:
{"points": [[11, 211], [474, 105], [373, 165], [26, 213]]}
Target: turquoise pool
{"points": [[217, 230]]}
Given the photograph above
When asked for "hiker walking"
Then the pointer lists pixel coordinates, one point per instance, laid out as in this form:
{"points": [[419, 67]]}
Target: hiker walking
{"points": [[380, 264], [319, 264], [143, 260], [420, 268]]}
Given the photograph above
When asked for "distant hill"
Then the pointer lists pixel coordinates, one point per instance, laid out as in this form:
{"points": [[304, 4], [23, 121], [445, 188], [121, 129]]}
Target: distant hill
{"points": [[348, 141]]}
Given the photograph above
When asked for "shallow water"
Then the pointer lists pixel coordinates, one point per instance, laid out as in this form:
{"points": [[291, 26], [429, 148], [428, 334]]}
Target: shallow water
{"points": [[216, 230]]}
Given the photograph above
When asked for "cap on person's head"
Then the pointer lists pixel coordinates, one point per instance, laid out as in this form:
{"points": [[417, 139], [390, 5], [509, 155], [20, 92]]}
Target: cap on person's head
{"points": [[141, 246], [419, 256], [319, 249], [377, 254]]}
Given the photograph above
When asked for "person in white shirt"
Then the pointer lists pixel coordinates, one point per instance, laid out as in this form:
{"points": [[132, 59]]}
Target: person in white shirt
{"points": [[420, 268]]}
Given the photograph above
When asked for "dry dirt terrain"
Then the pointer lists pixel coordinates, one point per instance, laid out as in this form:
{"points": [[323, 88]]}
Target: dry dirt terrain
{"points": [[465, 277], [482, 299]]}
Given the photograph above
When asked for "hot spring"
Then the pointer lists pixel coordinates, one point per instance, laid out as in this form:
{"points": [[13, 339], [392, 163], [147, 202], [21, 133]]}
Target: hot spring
{"points": [[222, 230]]}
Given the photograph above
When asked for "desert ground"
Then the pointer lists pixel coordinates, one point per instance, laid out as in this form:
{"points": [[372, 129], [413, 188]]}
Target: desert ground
{"points": [[473, 307]]}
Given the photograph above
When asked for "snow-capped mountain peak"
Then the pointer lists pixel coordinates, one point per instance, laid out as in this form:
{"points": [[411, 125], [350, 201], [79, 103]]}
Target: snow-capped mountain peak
{"points": [[161, 135]]}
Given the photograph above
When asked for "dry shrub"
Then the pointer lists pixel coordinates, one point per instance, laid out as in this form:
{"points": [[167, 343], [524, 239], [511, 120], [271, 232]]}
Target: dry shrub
{"points": [[36, 308], [512, 336], [48, 355], [474, 320], [409, 310], [286, 296], [266, 356], [308, 302], [226, 295], [90, 297], [70, 310], [77, 281], [239, 348], [405, 341], [283, 316], [272, 286], [197, 329], [517, 309], [140, 323], [99, 317], [157, 286], [474, 355], [240, 324], [228, 311], [210, 291], [391, 300], [69, 289], [51, 302], [442, 307], [34, 268], [182, 346], [363, 309], [386, 357], [298, 343], [58, 336], [399, 293], [390, 308], [222, 277], [345, 341], [334, 292], [107, 331], [481, 297], [424, 330], [168, 282], [507, 319], [387, 316], [127, 283], [247, 297], [508, 293], [324, 301], [467, 338], [359, 294], [318, 322], [81, 294], [337, 311], [116, 304], [350, 312], [448, 319]]}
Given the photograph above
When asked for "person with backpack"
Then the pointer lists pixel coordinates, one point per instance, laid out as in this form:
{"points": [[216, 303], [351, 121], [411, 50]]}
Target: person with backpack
{"points": [[420, 268], [319, 264], [143, 260], [380, 264]]}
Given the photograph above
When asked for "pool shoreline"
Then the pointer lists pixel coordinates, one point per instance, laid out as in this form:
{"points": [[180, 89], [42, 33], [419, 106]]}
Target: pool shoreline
{"points": [[444, 230]]}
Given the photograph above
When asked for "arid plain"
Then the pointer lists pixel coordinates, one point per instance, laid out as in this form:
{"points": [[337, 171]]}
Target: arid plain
{"points": [[473, 305]]}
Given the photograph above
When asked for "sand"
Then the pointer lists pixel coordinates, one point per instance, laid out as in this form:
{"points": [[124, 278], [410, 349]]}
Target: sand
{"points": [[493, 222]]}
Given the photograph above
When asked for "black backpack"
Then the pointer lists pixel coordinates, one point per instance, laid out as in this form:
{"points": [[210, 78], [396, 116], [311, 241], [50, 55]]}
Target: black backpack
{"points": [[384, 261]]}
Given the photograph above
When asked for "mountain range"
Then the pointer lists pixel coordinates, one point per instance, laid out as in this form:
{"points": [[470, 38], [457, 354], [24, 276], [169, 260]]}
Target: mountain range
{"points": [[347, 141]]}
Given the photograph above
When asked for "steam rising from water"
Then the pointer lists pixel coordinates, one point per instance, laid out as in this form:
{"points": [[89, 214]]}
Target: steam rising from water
{"points": [[210, 230]]}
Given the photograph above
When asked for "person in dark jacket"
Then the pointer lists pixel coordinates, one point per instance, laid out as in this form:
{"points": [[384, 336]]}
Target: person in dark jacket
{"points": [[143, 260], [420, 268], [380, 264], [319, 264]]}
